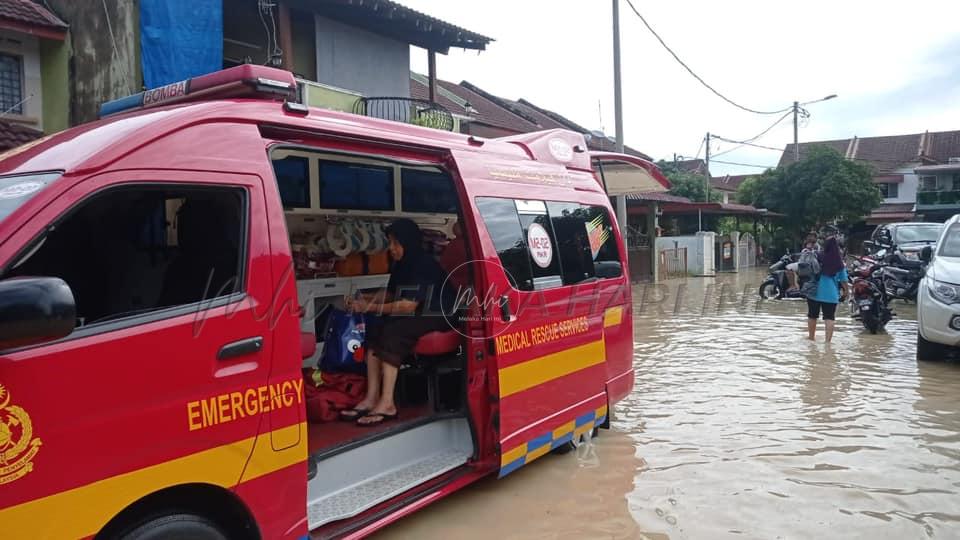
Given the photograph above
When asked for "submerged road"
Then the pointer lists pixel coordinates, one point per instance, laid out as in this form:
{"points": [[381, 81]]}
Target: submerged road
{"points": [[738, 427]]}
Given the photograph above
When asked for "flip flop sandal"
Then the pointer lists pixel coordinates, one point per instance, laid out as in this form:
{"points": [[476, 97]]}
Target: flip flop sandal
{"points": [[383, 418], [352, 415]]}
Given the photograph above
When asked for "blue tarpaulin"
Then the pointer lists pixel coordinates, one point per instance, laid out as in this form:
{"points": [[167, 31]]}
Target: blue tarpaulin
{"points": [[180, 39]]}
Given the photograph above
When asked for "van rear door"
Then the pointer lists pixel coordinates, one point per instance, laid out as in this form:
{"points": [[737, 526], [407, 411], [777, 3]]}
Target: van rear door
{"points": [[544, 329]]}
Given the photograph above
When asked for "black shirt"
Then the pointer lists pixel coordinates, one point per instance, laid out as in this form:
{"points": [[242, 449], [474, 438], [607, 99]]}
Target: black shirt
{"points": [[418, 276]]}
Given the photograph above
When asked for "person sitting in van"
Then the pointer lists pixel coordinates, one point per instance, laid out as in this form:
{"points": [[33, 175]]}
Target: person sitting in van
{"points": [[413, 304]]}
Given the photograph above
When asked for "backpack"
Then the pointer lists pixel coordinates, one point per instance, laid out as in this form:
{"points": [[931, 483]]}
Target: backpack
{"points": [[808, 265]]}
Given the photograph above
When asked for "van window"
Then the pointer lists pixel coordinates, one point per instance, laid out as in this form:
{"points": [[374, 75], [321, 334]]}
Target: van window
{"points": [[354, 186], [503, 225], [133, 250], [603, 243], [427, 191], [16, 190], [541, 244], [573, 244], [293, 180], [579, 245]]}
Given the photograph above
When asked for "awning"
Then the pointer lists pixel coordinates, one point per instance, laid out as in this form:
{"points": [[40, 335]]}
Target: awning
{"points": [[623, 174], [888, 179]]}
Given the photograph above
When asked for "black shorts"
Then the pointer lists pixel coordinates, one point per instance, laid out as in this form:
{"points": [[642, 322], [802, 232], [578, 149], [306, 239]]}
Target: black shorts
{"points": [[392, 338], [814, 307]]}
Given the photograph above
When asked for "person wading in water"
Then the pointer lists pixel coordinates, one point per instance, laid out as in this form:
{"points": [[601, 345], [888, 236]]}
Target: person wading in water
{"points": [[833, 276]]}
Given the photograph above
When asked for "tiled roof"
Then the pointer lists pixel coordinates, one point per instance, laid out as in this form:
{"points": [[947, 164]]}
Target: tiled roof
{"points": [[888, 153], [418, 90], [13, 135], [27, 12], [729, 182], [547, 119], [691, 165], [488, 112]]}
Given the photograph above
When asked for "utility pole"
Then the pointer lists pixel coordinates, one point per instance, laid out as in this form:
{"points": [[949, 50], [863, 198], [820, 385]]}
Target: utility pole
{"points": [[618, 108], [796, 145], [707, 181]]}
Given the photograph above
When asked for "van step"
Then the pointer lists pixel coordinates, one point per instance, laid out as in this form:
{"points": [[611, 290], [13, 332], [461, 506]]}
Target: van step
{"points": [[355, 499]]}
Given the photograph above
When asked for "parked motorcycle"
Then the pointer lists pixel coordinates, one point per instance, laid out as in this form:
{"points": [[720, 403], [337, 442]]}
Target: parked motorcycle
{"points": [[901, 276], [777, 284], [869, 302]]}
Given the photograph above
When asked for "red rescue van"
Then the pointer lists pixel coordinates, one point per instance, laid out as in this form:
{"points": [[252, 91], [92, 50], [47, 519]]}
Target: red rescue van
{"points": [[164, 272]]}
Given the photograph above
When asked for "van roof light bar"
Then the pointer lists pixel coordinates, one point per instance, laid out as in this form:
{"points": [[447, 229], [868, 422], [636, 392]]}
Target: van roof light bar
{"points": [[247, 80]]}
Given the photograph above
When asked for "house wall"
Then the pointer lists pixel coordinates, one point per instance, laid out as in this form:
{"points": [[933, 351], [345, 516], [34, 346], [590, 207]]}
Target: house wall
{"points": [[105, 53], [27, 47], [55, 72], [700, 246], [908, 189], [352, 58]]}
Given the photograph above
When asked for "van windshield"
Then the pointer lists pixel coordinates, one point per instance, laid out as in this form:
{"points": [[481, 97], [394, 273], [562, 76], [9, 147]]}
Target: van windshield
{"points": [[16, 190]]}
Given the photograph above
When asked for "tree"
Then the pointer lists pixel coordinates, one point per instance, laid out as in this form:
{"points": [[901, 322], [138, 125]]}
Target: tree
{"points": [[822, 188], [687, 184]]}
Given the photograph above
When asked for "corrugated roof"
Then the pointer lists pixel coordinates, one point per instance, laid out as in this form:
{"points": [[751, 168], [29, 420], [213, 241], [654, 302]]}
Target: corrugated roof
{"points": [[402, 23], [27, 12], [658, 197]]}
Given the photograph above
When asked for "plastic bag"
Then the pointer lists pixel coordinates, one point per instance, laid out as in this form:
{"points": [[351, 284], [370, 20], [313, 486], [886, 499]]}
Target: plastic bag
{"points": [[343, 347]]}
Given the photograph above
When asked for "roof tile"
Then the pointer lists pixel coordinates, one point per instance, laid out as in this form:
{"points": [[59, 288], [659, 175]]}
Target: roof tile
{"points": [[13, 135], [25, 11]]}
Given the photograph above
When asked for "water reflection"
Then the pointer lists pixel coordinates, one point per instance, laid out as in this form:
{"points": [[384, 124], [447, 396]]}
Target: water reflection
{"points": [[738, 427]]}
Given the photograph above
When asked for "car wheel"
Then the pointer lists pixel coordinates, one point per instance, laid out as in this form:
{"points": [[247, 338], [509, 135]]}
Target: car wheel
{"points": [[928, 350], [176, 526]]}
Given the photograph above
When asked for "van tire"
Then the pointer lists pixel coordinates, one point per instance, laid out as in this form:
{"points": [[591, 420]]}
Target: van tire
{"points": [[927, 350], [568, 446], [188, 526]]}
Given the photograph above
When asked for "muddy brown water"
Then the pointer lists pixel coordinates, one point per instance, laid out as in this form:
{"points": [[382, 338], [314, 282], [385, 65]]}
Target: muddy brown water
{"points": [[738, 427]]}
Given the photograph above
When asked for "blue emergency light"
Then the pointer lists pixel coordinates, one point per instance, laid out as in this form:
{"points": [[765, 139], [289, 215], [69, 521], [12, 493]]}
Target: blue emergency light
{"points": [[247, 80]]}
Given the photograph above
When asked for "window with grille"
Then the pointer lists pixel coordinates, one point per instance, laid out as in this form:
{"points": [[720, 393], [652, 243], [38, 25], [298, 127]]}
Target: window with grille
{"points": [[11, 84]]}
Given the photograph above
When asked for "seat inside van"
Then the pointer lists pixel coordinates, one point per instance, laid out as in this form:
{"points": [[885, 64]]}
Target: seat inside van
{"points": [[337, 207]]}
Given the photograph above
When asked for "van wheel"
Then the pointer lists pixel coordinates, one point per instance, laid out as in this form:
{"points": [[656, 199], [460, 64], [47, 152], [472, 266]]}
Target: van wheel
{"points": [[187, 526], [928, 350], [570, 446]]}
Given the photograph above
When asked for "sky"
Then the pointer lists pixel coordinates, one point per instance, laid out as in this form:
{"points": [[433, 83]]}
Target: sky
{"points": [[895, 67]]}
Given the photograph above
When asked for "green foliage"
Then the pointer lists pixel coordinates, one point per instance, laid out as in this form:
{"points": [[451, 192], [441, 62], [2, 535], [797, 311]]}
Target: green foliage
{"points": [[687, 184], [817, 190]]}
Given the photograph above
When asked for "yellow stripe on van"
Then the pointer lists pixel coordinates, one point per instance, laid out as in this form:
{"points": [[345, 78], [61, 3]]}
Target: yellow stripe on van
{"points": [[612, 316], [520, 377], [84, 510]]}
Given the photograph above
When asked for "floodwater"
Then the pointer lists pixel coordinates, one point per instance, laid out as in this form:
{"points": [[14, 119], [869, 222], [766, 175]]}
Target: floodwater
{"points": [[738, 427]]}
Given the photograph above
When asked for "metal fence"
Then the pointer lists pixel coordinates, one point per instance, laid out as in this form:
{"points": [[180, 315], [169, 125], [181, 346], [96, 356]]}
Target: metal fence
{"points": [[410, 111], [747, 251], [673, 263]]}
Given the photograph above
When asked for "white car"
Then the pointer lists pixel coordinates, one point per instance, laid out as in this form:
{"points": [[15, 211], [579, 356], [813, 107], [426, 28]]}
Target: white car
{"points": [[938, 298]]}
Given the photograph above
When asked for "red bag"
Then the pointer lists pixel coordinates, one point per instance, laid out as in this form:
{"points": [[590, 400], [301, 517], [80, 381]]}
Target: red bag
{"points": [[336, 392]]}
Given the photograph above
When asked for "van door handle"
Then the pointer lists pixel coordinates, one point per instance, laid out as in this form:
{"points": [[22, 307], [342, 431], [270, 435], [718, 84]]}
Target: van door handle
{"points": [[505, 314], [240, 348]]}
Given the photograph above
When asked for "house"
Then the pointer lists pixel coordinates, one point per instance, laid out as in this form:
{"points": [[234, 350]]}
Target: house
{"points": [[917, 174], [33, 72], [349, 56], [728, 185]]}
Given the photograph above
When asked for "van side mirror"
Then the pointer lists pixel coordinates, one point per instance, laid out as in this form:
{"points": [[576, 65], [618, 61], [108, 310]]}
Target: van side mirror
{"points": [[926, 253], [869, 246], [608, 269], [885, 237], [35, 310]]}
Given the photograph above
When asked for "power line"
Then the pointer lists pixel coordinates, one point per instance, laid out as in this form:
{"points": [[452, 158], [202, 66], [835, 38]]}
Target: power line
{"points": [[742, 164], [755, 137], [742, 143], [695, 76]]}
